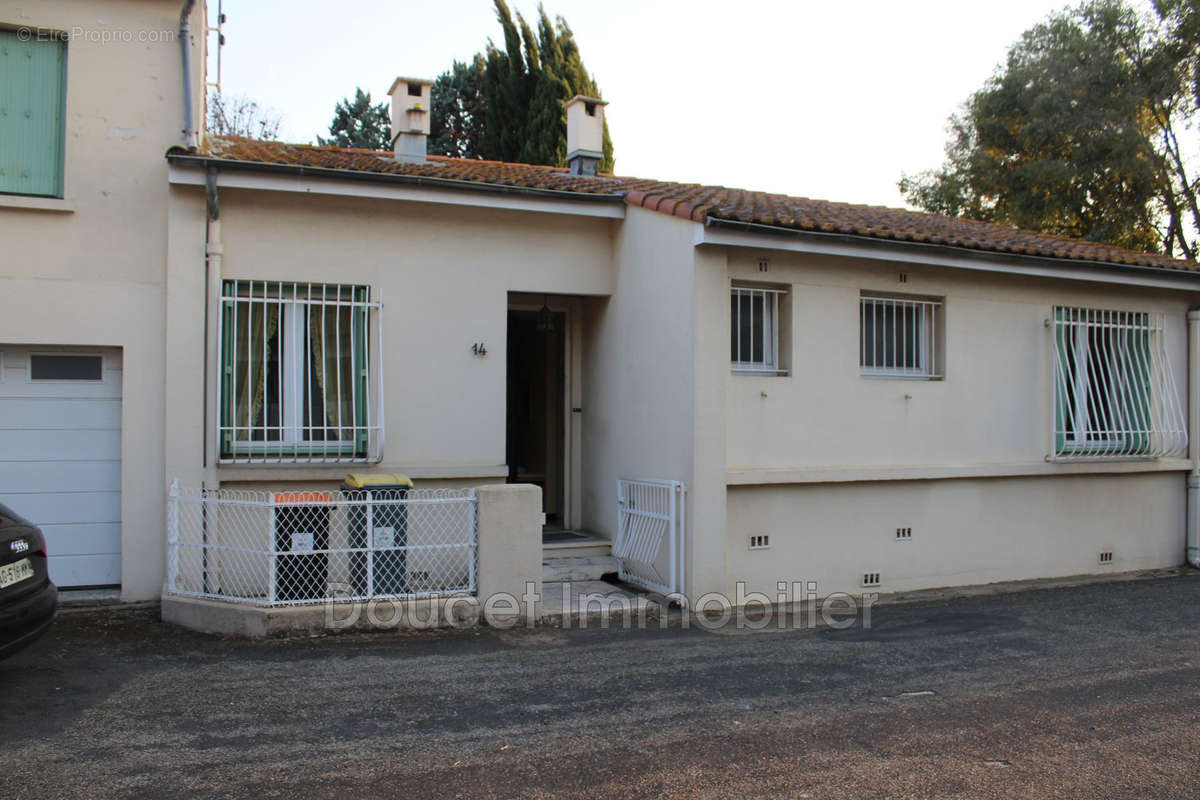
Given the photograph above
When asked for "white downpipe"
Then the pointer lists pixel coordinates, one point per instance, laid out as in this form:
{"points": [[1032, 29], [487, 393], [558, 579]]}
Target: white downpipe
{"points": [[1193, 484], [190, 135]]}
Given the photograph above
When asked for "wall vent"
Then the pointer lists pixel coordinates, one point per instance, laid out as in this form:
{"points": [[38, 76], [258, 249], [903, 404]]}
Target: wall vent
{"points": [[903, 534], [903, 277], [870, 579], [760, 541], [1106, 557], [763, 265]]}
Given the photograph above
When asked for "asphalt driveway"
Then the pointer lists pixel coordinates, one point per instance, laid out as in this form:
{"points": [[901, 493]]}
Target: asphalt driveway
{"points": [[1083, 692]]}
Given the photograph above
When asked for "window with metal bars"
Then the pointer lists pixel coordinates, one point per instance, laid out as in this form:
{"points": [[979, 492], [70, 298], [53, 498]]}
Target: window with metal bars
{"points": [[1114, 390], [754, 329], [296, 373], [898, 337]]}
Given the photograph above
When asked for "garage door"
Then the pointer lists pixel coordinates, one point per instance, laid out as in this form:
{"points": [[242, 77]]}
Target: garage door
{"points": [[60, 455]]}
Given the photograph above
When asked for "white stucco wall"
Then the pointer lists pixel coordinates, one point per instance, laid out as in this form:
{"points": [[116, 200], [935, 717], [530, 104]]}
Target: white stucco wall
{"points": [[994, 405], [829, 463], [638, 410], [443, 274], [89, 269], [964, 532]]}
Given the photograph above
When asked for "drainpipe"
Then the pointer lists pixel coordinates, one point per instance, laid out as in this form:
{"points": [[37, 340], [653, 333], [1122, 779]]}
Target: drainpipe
{"points": [[185, 47], [214, 255], [1193, 485]]}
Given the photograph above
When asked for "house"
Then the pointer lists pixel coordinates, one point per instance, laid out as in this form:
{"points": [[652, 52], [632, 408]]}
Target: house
{"points": [[730, 392]]}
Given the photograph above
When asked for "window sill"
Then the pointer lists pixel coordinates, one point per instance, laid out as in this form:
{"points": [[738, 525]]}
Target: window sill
{"points": [[900, 376], [760, 373], [58, 205]]}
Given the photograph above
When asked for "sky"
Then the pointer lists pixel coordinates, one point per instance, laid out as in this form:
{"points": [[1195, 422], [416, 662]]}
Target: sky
{"points": [[817, 99]]}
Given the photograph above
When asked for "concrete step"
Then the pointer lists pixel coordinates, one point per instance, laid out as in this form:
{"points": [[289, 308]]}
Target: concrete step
{"points": [[577, 568]]}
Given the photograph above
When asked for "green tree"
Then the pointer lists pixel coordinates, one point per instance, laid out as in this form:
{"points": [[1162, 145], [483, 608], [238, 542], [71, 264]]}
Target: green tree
{"points": [[1074, 135], [507, 105], [358, 123], [457, 117]]}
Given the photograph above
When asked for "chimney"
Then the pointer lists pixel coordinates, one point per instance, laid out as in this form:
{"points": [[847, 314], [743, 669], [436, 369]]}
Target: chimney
{"points": [[410, 118], [585, 134]]}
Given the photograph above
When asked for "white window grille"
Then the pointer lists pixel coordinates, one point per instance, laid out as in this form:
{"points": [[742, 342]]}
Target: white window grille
{"points": [[298, 377], [1114, 392], [271, 548], [754, 329], [898, 337]]}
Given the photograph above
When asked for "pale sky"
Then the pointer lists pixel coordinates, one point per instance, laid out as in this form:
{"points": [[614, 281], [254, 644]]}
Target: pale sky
{"points": [[817, 99]]}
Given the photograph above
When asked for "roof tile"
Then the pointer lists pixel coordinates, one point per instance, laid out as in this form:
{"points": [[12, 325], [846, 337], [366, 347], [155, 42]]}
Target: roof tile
{"points": [[700, 202]]}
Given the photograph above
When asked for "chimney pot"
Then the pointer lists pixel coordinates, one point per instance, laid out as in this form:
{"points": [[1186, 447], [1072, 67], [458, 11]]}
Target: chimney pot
{"points": [[411, 101], [585, 134]]}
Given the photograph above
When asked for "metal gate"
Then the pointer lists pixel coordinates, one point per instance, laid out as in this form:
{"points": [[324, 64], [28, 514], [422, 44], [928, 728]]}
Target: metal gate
{"points": [[650, 533]]}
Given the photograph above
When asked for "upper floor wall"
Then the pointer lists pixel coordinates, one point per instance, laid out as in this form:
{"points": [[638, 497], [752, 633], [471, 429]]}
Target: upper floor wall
{"points": [[989, 403], [97, 101]]}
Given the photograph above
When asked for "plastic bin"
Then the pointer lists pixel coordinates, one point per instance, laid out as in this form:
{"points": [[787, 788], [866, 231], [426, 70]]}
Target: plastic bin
{"points": [[301, 525], [380, 528]]}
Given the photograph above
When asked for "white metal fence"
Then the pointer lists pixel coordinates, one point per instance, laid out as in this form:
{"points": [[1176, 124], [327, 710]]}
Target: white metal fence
{"points": [[650, 542], [295, 547]]}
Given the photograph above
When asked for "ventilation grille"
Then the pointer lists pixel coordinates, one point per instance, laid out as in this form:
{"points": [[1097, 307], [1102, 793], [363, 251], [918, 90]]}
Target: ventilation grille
{"points": [[903, 277], [760, 541], [903, 534], [870, 579], [1106, 557]]}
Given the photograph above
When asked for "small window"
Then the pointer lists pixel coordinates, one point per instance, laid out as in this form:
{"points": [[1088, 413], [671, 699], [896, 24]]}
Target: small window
{"points": [[898, 337], [414, 90], [32, 93], [1114, 391], [296, 372], [754, 329], [65, 367]]}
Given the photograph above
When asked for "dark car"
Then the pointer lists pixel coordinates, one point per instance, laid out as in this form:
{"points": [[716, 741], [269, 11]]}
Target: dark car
{"points": [[27, 597]]}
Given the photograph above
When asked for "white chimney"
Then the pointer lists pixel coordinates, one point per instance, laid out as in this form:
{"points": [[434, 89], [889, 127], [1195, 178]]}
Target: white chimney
{"points": [[585, 134], [411, 99]]}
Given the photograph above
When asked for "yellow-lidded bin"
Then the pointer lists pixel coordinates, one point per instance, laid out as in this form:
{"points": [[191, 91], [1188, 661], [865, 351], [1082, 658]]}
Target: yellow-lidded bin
{"points": [[378, 532]]}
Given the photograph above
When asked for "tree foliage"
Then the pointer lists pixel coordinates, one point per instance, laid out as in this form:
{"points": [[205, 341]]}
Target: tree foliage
{"points": [[507, 104], [456, 119], [1078, 133], [240, 116], [359, 123]]}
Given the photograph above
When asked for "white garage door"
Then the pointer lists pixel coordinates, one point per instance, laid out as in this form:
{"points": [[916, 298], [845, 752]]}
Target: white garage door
{"points": [[60, 455]]}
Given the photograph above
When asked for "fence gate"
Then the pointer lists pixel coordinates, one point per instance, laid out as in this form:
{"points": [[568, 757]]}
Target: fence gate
{"points": [[650, 533]]}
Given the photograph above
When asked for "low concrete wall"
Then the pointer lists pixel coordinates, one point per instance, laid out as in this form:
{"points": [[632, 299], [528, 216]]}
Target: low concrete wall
{"points": [[509, 525]]}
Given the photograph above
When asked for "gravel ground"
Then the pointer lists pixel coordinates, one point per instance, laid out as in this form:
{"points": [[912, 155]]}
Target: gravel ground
{"points": [[1088, 691]]}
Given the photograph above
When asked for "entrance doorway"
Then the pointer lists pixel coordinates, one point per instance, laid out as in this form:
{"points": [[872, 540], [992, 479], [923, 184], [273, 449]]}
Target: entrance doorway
{"points": [[535, 449]]}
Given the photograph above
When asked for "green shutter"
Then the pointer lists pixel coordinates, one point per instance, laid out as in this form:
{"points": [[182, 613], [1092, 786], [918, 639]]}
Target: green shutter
{"points": [[228, 320], [32, 93]]}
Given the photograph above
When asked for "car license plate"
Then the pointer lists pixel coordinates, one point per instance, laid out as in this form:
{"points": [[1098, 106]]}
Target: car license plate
{"points": [[16, 572]]}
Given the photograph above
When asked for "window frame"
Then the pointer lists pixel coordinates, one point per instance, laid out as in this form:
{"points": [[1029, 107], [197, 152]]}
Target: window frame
{"points": [[770, 334], [290, 299], [57, 160], [929, 351], [1073, 387]]}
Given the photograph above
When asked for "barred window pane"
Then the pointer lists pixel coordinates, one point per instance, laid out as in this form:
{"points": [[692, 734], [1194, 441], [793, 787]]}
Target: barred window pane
{"points": [[295, 372], [754, 329], [898, 337], [1115, 393]]}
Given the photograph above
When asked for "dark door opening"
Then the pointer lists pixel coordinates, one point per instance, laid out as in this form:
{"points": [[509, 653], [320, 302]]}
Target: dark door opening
{"points": [[536, 382]]}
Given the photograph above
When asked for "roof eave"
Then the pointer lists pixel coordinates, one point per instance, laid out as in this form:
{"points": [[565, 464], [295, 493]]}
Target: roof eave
{"points": [[297, 170], [947, 255]]}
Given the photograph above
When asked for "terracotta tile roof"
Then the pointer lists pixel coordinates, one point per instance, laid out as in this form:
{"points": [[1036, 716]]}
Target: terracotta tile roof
{"points": [[696, 202]]}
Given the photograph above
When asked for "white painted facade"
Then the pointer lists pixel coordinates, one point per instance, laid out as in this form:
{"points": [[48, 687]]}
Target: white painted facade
{"points": [[823, 461]]}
